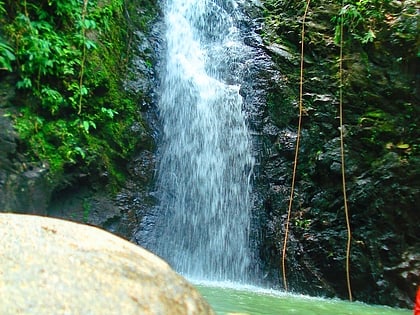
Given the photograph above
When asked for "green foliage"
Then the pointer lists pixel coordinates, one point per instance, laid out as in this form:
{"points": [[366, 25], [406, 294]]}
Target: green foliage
{"points": [[66, 53], [6, 51], [361, 18], [6, 56], [302, 223], [379, 126]]}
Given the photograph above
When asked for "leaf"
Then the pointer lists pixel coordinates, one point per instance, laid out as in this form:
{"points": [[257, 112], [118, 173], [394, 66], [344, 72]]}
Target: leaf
{"points": [[9, 54], [83, 91], [109, 112], [25, 83], [89, 24], [403, 146], [80, 151], [369, 37], [5, 64], [86, 125], [69, 156], [90, 44]]}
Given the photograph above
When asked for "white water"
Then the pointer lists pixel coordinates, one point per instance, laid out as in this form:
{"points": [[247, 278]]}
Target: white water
{"points": [[202, 224]]}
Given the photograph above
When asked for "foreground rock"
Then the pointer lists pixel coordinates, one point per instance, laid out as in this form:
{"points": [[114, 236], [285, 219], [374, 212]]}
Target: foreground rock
{"points": [[50, 266]]}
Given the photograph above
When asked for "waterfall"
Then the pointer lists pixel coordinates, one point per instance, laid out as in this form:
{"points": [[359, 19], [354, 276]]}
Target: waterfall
{"points": [[202, 224]]}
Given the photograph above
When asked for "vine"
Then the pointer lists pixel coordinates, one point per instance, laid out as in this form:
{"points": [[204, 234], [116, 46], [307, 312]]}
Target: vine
{"points": [[289, 211], [343, 172], [82, 90]]}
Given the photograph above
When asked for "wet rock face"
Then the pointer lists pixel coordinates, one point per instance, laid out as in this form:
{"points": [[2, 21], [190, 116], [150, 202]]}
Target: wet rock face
{"points": [[382, 162], [51, 266], [24, 186]]}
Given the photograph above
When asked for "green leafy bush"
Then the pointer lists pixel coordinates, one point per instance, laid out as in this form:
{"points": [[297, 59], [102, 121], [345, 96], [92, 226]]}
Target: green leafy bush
{"points": [[72, 109], [362, 19]]}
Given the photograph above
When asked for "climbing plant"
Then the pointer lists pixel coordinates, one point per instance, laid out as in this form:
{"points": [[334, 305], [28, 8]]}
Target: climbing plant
{"points": [[343, 169], [295, 163], [340, 32]]}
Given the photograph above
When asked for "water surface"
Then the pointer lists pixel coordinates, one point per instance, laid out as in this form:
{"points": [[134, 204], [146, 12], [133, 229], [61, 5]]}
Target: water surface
{"points": [[255, 301]]}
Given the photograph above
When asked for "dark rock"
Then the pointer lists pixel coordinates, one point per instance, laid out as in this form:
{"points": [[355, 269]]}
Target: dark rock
{"points": [[24, 186]]}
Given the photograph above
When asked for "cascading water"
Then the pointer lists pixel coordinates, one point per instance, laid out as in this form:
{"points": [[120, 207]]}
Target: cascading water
{"points": [[202, 224]]}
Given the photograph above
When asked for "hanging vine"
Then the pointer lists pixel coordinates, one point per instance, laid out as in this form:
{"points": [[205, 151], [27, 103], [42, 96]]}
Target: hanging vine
{"points": [[343, 169], [289, 211], [82, 89]]}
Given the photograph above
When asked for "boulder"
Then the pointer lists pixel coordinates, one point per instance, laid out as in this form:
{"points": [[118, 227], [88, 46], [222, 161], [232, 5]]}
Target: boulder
{"points": [[51, 266]]}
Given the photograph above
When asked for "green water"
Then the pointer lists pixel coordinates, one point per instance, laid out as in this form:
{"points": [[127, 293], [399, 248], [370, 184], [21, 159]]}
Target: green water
{"points": [[254, 301]]}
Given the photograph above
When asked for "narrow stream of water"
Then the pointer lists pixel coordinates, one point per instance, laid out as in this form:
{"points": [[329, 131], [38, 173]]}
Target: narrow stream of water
{"points": [[202, 224]]}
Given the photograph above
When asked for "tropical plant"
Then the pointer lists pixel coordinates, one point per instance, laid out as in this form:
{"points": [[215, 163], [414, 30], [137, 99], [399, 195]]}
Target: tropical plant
{"points": [[65, 54], [6, 56], [361, 18]]}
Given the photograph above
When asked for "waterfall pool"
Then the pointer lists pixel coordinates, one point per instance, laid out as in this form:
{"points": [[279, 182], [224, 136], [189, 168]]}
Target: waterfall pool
{"points": [[230, 299]]}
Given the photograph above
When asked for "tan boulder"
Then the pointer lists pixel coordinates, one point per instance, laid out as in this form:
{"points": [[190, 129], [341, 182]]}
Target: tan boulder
{"points": [[51, 266]]}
